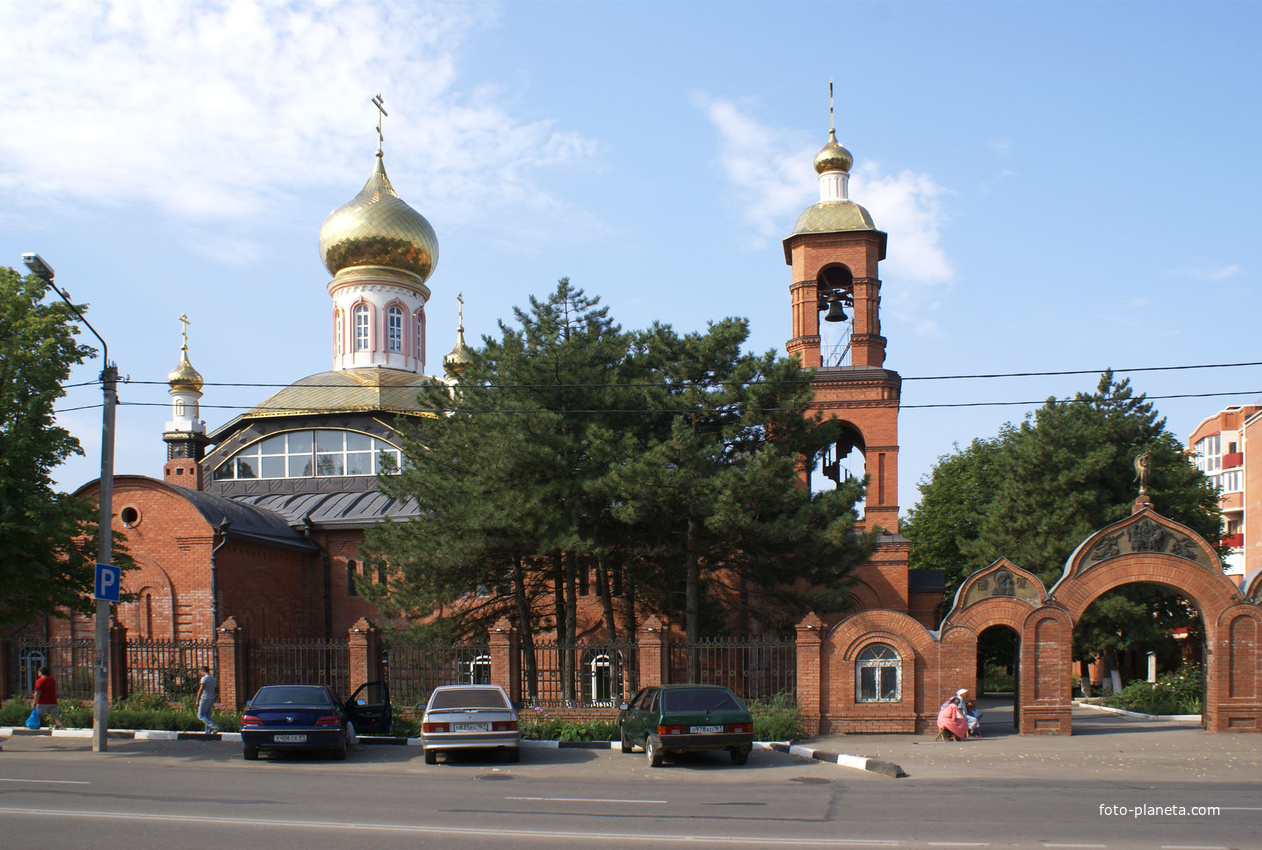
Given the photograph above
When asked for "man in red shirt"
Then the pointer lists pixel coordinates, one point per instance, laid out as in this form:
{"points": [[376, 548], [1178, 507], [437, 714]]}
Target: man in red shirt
{"points": [[46, 697]]}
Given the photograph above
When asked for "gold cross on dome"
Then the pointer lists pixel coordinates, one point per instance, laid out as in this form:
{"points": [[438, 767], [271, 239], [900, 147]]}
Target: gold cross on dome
{"points": [[378, 102], [460, 309], [184, 330]]}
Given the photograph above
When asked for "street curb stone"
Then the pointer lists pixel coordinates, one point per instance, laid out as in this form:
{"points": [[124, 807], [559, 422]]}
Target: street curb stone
{"points": [[882, 768]]}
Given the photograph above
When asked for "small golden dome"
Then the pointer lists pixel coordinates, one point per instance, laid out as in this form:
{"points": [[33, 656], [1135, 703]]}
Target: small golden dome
{"points": [[184, 376], [457, 362], [833, 157], [377, 228]]}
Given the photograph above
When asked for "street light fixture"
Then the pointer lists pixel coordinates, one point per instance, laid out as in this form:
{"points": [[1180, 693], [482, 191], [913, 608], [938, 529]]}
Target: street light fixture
{"points": [[105, 531]]}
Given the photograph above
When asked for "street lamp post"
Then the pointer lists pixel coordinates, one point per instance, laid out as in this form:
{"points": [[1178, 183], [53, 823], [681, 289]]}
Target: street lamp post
{"points": [[105, 531]]}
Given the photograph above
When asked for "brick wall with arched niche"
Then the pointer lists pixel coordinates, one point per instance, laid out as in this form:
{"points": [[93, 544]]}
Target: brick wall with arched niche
{"points": [[1147, 547], [863, 656]]}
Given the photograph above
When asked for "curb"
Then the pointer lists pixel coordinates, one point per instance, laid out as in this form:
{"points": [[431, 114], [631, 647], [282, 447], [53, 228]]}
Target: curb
{"points": [[882, 768]]}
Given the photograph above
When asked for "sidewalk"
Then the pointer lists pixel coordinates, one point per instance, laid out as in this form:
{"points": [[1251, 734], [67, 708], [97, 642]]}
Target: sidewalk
{"points": [[1104, 745]]}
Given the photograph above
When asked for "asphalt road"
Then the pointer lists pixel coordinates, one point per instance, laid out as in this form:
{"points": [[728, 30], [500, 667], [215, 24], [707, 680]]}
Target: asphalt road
{"points": [[150, 794]]}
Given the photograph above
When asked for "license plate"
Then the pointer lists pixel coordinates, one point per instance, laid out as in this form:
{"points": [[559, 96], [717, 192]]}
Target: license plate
{"points": [[289, 739], [706, 730], [470, 727]]}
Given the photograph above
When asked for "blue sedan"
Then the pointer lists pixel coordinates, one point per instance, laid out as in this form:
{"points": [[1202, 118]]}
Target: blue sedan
{"points": [[309, 717]]}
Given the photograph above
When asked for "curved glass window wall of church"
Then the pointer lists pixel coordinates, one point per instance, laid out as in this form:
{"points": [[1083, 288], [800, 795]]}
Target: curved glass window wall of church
{"points": [[307, 454]]}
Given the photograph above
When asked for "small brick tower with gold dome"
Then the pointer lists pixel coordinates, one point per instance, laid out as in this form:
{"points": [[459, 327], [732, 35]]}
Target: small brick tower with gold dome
{"points": [[185, 434], [834, 251]]}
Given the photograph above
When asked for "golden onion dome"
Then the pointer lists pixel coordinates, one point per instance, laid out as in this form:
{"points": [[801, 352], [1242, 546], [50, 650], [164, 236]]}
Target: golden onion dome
{"points": [[377, 228], [833, 157], [457, 362], [184, 376]]}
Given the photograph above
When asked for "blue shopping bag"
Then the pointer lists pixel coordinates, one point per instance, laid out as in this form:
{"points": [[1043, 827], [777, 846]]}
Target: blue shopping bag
{"points": [[32, 722]]}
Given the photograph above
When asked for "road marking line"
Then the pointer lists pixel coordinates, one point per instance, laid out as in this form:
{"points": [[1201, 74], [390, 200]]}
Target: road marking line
{"points": [[588, 837], [1191, 847], [963, 844], [52, 781], [1081, 846], [582, 800]]}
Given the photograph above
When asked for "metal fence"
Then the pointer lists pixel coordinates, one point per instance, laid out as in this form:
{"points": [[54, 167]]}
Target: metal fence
{"points": [[414, 669], [754, 669], [583, 675], [171, 668], [317, 661], [70, 660]]}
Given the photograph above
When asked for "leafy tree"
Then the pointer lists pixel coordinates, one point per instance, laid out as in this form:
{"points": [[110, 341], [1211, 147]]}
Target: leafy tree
{"points": [[48, 538], [1036, 491]]}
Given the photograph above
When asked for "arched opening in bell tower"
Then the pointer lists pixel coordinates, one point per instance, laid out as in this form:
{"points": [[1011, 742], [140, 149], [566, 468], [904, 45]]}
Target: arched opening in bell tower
{"points": [[835, 300], [843, 460]]}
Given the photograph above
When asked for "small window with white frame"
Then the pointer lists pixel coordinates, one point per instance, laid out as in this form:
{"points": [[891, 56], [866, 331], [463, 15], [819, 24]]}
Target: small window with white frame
{"points": [[394, 323], [878, 674]]}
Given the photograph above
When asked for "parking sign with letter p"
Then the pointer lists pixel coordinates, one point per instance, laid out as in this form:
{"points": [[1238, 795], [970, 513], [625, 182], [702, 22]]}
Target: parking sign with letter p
{"points": [[108, 579]]}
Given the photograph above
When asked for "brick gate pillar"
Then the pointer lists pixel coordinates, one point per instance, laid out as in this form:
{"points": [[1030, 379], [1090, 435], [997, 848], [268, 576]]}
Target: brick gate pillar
{"points": [[116, 685], [364, 641], [810, 642], [230, 644], [506, 658], [651, 643]]}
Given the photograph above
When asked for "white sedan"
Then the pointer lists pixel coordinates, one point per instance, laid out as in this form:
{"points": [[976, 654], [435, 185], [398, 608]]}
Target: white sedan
{"points": [[470, 717]]}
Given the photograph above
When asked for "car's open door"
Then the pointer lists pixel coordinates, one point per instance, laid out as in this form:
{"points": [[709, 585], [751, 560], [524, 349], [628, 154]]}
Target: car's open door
{"points": [[369, 709]]}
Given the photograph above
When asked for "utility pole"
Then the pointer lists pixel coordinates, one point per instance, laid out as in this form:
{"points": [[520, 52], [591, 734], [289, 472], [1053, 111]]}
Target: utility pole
{"points": [[105, 515]]}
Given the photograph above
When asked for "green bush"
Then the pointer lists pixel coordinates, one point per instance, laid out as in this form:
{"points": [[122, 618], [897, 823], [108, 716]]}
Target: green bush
{"points": [[544, 728], [407, 726], [143, 711], [1173, 693], [776, 718]]}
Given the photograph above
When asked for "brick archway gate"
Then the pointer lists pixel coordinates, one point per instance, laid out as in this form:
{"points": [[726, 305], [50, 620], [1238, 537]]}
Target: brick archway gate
{"points": [[1147, 547]]}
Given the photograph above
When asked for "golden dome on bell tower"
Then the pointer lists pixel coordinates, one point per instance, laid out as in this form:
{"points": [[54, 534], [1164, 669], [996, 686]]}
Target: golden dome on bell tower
{"points": [[833, 157]]}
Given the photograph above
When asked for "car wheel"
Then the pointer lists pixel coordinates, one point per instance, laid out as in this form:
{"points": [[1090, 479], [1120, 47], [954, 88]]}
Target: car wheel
{"points": [[653, 753], [250, 753], [627, 746], [339, 752], [740, 756], [431, 756], [512, 755]]}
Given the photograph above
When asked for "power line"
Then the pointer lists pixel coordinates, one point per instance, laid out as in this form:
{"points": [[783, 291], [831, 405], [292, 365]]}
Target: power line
{"points": [[980, 376], [648, 410]]}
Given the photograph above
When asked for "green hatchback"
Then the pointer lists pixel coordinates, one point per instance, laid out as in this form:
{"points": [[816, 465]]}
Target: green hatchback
{"points": [[673, 719]]}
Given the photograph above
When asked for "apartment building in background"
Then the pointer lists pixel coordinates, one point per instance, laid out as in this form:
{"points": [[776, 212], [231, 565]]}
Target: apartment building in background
{"points": [[1219, 446]]}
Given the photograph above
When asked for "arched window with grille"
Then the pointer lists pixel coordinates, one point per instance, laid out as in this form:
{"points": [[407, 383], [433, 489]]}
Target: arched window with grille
{"points": [[360, 318], [394, 329], [878, 674]]}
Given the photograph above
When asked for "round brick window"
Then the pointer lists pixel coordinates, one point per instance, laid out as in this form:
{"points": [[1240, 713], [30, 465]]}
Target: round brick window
{"points": [[130, 516]]}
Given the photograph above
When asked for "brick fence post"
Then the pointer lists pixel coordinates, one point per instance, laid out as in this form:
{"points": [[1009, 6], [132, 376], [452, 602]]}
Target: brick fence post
{"points": [[506, 658], [116, 687], [230, 643], [810, 640], [650, 640], [364, 642]]}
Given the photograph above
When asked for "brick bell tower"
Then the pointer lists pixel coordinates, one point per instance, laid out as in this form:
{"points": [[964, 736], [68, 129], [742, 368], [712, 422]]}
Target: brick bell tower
{"points": [[834, 251]]}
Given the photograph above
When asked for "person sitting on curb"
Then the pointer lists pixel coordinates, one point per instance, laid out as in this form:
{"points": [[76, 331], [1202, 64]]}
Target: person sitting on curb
{"points": [[45, 701], [951, 723], [972, 717]]}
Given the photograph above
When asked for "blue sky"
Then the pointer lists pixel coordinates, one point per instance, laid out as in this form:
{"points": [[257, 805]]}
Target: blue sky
{"points": [[1065, 186]]}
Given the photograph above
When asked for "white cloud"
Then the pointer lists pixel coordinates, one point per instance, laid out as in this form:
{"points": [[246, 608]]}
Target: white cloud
{"points": [[772, 181], [220, 110], [1212, 273]]}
